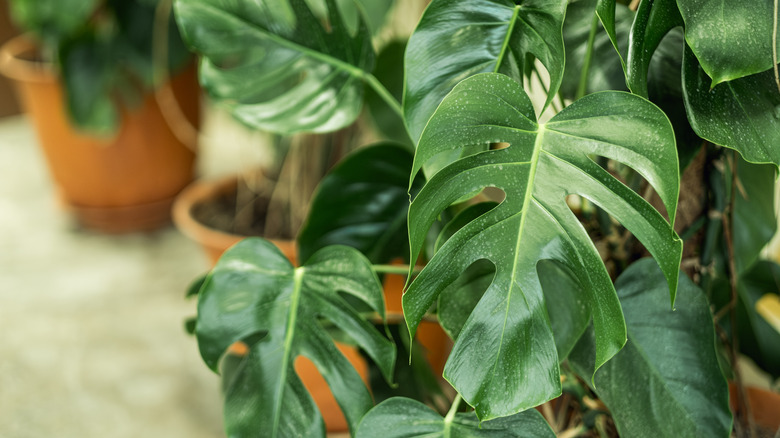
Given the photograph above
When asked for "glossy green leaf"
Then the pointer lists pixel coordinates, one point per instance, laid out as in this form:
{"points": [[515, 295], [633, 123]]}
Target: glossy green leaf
{"points": [[362, 203], [275, 63], [389, 71], [457, 39], [605, 70], [609, 14], [731, 39], [653, 20], [569, 315], [404, 418], [666, 382], [743, 114], [505, 358], [255, 295], [754, 221]]}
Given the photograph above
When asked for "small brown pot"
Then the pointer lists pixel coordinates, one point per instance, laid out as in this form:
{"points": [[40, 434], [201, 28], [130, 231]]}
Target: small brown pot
{"points": [[121, 184]]}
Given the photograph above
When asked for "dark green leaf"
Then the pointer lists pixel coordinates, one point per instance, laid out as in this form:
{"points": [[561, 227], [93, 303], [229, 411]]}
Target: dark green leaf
{"points": [[652, 21], [404, 418], [256, 296], [88, 70], [456, 39], [666, 382], [52, 20], [606, 70], [754, 221], [389, 71], [135, 22], [505, 358], [610, 15], [757, 338], [743, 114], [362, 203], [276, 65], [731, 39]]}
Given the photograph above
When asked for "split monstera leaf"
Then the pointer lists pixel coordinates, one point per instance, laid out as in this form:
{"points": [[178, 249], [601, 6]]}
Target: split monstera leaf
{"points": [[504, 359]]}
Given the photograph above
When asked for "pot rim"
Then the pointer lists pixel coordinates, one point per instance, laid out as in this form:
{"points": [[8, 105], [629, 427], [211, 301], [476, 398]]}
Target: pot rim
{"points": [[199, 191], [14, 66]]}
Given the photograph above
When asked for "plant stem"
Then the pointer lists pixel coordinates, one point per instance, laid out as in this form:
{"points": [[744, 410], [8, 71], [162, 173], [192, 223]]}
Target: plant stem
{"points": [[451, 415], [742, 403], [395, 269], [582, 88], [380, 89], [774, 45]]}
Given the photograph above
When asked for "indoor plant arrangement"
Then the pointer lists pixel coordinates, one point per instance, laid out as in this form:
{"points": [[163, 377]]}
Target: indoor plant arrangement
{"points": [[87, 72], [663, 143]]}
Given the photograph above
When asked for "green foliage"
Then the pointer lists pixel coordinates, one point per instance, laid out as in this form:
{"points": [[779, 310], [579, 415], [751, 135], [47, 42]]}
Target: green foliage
{"points": [[277, 65], [515, 279], [401, 418], [542, 165], [362, 203], [641, 385], [456, 39], [256, 296]]}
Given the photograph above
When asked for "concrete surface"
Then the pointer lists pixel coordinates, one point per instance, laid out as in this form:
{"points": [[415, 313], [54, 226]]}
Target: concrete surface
{"points": [[91, 326]]}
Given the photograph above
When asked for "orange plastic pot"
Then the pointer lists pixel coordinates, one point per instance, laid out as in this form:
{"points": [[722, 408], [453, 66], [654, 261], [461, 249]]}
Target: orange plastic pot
{"points": [[119, 184]]}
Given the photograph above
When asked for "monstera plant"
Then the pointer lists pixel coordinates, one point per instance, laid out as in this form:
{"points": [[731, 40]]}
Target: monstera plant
{"points": [[599, 240]]}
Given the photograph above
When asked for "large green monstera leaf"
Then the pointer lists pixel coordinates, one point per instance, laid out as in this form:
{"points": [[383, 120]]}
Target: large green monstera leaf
{"points": [[256, 296], [504, 359], [456, 39], [275, 63]]}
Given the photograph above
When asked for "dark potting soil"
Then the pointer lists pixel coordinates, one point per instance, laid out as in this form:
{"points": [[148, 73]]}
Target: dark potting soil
{"points": [[221, 213]]}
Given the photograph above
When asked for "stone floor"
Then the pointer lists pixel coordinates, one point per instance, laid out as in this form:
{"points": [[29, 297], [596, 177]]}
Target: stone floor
{"points": [[91, 326]]}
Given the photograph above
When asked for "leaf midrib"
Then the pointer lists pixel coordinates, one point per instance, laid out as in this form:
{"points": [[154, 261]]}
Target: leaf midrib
{"points": [[507, 37], [253, 28], [526, 202], [289, 335]]}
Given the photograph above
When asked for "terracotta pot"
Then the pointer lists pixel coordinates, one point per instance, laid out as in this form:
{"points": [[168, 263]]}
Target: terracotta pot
{"points": [[120, 184], [764, 407], [214, 242]]}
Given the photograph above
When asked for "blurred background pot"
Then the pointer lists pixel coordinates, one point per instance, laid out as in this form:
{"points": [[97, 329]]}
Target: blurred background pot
{"points": [[122, 183]]}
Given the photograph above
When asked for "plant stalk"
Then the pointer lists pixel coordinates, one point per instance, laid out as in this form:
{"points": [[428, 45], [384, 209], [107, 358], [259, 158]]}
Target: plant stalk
{"points": [[774, 46], [451, 415], [380, 89], [582, 88], [395, 269], [742, 403]]}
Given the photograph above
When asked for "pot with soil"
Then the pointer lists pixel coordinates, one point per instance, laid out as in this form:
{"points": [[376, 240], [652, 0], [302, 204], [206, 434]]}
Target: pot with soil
{"points": [[217, 215]]}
